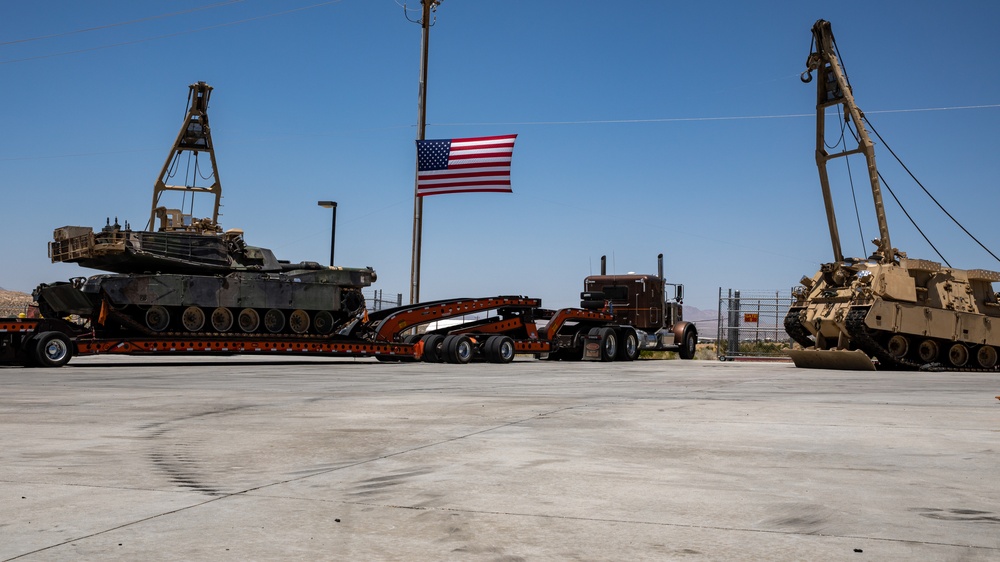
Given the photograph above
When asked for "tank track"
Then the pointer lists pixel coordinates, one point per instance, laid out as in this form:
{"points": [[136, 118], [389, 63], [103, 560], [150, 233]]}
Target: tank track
{"points": [[795, 330], [866, 340]]}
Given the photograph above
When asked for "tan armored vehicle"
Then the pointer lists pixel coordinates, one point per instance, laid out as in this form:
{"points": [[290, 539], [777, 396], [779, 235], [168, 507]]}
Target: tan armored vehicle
{"points": [[904, 313]]}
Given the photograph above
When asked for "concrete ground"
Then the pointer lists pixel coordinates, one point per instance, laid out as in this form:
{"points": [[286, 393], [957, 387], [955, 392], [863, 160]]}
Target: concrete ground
{"points": [[244, 458]]}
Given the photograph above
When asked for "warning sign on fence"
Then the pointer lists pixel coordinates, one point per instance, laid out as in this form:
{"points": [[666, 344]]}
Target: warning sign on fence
{"points": [[750, 318]]}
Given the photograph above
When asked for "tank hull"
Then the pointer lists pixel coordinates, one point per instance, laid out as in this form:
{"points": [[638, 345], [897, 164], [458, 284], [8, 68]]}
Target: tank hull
{"points": [[911, 315]]}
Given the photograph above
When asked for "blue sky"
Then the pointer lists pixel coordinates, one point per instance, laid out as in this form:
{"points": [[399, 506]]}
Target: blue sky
{"points": [[644, 127]]}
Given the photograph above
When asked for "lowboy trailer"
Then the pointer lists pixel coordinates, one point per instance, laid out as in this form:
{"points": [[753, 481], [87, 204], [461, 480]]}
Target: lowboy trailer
{"points": [[518, 326]]}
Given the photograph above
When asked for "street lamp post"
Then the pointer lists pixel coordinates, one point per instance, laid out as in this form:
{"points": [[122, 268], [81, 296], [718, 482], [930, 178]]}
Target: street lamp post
{"points": [[333, 230]]}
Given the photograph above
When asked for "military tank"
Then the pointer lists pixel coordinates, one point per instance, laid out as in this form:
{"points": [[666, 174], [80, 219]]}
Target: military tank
{"points": [[186, 274], [904, 313]]}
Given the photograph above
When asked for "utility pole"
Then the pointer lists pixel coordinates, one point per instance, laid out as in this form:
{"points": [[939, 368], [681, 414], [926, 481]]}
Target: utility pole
{"points": [[418, 202]]}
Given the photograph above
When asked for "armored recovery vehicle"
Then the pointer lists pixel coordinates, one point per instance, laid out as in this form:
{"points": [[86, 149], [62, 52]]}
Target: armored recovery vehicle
{"points": [[186, 274], [905, 313]]}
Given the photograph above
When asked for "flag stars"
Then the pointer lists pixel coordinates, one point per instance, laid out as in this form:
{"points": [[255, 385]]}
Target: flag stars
{"points": [[433, 154]]}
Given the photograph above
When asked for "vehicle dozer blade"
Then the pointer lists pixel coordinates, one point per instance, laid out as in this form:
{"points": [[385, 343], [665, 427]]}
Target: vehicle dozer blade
{"points": [[840, 359]]}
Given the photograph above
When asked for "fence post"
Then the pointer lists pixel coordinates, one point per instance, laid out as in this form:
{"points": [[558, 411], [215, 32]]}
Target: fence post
{"points": [[734, 326]]}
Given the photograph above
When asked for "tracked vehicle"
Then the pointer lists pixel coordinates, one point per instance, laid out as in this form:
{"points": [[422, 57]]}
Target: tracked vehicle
{"points": [[184, 274], [905, 313]]}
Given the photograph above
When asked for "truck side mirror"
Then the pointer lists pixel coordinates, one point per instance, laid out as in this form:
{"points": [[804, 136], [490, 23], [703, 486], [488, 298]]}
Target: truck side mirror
{"points": [[679, 293]]}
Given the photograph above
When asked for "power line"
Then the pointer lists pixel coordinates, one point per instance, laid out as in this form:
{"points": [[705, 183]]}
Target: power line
{"points": [[687, 119], [168, 35], [119, 24]]}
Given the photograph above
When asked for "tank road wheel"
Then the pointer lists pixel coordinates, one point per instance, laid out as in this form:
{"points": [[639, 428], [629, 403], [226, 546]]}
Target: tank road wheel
{"points": [[927, 351], [323, 323], [629, 349], [52, 349], [987, 356], [299, 321], [193, 318], [898, 346], [222, 319], [274, 320], [958, 355], [433, 348], [457, 349], [249, 320], [500, 349], [157, 318]]}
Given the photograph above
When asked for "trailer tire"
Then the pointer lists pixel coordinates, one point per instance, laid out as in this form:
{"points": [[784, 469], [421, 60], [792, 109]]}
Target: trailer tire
{"points": [[629, 348], [433, 348], [457, 349], [500, 349], [689, 344], [51, 349], [609, 342]]}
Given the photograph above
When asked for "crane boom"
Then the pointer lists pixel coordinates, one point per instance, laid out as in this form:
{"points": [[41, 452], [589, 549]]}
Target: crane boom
{"points": [[832, 89]]}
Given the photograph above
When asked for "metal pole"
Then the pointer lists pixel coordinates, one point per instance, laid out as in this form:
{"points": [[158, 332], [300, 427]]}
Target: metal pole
{"points": [[333, 233], [333, 229], [418, 203]]}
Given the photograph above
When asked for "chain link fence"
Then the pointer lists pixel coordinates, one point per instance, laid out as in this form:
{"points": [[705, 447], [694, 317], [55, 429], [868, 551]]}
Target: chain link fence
{"points": [[377, 300], [752, 324], [15, 311]]}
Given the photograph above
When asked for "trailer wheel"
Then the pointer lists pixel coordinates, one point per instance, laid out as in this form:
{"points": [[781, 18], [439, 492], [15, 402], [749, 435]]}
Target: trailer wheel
{"points": [[457, 349], [500, 349], [609, 342], [52, 349], [689, 344], [433, 348], [629, 349]]}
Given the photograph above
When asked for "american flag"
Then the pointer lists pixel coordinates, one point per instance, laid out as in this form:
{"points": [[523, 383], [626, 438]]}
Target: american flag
{"points": [[464, 165]]}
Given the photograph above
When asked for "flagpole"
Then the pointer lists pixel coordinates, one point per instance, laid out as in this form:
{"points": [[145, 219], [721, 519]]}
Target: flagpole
{"points": [[418, 202]]}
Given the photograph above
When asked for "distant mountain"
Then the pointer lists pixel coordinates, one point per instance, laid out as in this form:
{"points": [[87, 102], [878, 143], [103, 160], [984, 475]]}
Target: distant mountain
{"points": [[692, 314], [13, 302]]}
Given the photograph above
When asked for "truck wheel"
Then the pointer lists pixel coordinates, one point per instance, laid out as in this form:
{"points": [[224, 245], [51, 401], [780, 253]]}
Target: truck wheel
{"points": [[629, 349], [52, 349], [689, 345], [433, 350], [500, 349], [609, 342], [457, 349]]}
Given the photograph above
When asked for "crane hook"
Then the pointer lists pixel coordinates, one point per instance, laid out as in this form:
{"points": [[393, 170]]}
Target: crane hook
{"points": [[806, 77]]}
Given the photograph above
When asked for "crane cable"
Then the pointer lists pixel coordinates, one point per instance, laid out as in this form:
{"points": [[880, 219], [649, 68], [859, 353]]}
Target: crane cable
{"points": [[886, 184], [850, 175], [936, 202], [896, 199]]}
